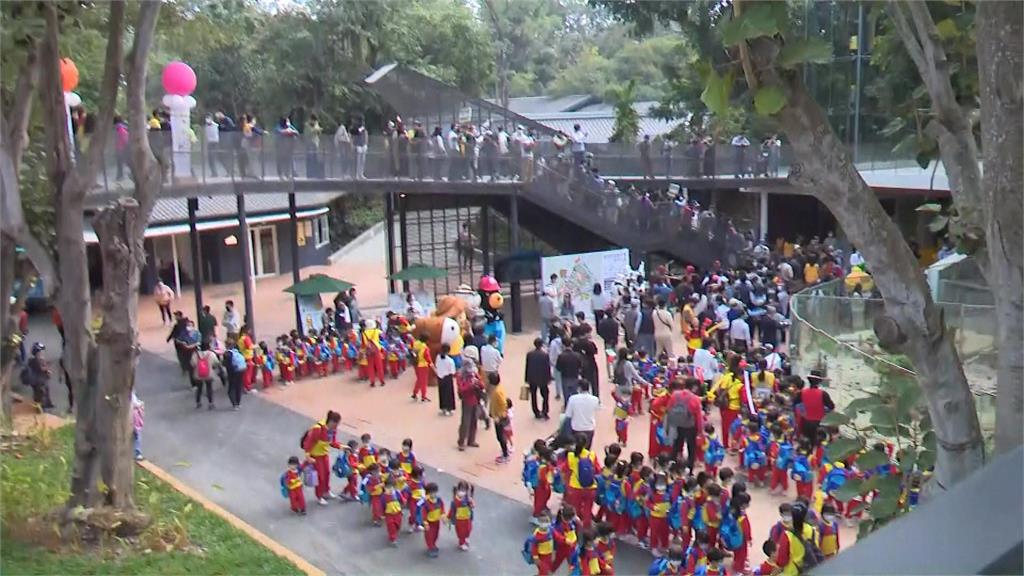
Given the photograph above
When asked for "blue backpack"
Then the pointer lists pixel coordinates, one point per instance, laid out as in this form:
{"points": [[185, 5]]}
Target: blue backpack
{"points": [[675, 515], [341, 467], [754, 455], [801, 471], [531, 468], [237, 361], [658, 567], [715, 453], [585, 472], [528, 544], [732, 536], [558, 486], [284, 485], [785, 456], [835, 478]]}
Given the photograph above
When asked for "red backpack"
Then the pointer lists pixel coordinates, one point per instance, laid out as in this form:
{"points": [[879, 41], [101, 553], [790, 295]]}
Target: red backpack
{"points": [[203, 368]]}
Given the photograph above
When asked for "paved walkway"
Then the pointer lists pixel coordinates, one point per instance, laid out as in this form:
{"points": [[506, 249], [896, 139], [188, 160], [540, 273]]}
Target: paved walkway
{"points": [[235, 459]]}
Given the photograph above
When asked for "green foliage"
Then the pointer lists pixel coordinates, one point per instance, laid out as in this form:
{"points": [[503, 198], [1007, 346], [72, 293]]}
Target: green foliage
{"points": [[768, 100], [716, 92], [184, 537], [627, 120], [765, 18], [804, 51]]}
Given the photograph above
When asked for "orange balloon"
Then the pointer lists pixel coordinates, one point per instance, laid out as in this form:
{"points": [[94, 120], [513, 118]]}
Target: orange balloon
{"points": [[68, 74]]}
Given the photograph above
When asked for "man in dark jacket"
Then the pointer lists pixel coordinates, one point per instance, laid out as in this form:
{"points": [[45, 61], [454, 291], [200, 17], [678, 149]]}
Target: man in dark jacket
{"points": [[538, 376], [569, 364]]}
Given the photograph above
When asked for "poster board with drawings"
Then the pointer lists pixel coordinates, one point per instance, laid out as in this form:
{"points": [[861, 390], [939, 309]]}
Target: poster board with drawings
{"points": [[311, 308], [577, 274]]}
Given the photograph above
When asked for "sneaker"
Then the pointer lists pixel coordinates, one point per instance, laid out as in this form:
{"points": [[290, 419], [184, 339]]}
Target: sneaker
{"points": [[254, 391], [393, 543], [321, 501], [501, 460], [432, 553], [236, 407], [303, 512], [331, 495], [139, 457], [198, 405], [419, 528], [410, 530], [424, 399], [413, 397], [373, 385], [464, 547], [642, 544], [211, 407], [474, 445]]}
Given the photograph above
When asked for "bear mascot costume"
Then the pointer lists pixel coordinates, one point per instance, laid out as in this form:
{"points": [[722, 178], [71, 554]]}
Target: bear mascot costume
{"points": [[491, 302], [447, 325]]}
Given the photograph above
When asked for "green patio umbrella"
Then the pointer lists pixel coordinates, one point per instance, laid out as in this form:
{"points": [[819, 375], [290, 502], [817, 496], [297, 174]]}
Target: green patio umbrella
{"points": [[419, 272], [318, 284]]}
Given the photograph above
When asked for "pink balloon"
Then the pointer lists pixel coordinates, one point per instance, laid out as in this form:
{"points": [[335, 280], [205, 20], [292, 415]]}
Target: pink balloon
{"points": [[179, 79]]}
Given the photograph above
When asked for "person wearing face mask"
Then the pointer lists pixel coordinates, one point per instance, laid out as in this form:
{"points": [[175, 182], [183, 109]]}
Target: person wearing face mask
{"points": [[738, 508], [658, 504], [828, 529], [461, 513], [797, 551], [540, 546]]}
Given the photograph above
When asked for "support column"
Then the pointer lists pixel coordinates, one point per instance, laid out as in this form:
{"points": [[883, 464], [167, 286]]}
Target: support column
{"points": [[403, 237], [197, 268], [389, 235], [517, 296], [763, 221], [293, 245], [245, 241], [485, 239], [177, 264]]}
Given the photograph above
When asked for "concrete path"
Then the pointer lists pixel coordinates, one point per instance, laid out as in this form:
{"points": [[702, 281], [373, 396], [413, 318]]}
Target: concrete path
{"points": [[236, 458]]}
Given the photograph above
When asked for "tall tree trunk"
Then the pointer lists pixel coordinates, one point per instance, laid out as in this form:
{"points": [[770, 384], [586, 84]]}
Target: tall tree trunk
{"points": [[824, 168], [1000, 60], [120, 228], [117, 346]]}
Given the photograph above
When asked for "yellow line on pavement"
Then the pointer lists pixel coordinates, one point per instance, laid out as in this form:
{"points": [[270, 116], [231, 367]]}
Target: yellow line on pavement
{"points": [[274, 546]]}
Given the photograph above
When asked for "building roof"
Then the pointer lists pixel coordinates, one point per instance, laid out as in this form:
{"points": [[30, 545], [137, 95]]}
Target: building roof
{"points": [[173, 210], [528, 105], [597, 118]]}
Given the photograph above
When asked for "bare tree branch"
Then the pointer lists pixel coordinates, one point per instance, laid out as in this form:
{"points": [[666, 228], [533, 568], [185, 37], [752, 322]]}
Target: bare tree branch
{"points": [[90, 167], [936, 74], [913, 45], [16, 122], [148, 177]]}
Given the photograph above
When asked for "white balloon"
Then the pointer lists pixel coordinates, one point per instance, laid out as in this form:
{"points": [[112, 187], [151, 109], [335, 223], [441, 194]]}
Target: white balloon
{"points": [[71, 99], [190, 102]]}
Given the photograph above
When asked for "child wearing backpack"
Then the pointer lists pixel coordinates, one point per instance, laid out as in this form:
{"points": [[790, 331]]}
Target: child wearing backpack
{"points": [[714, 451], [286, 360], [797, 552], [739, 542], [768, 567], [582, 469], [565, 535], [670, 565], [414, 492], [714, 566], [828, 530], [265, 364], [432, 511], [539, 548], [373, 487], [291, 486], [204, 365], [658, 506], [346, 466]]}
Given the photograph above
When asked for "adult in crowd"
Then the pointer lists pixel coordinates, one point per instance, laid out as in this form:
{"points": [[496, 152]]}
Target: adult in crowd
{"points": [[498, 410], [538, 376], [353, 307], [598, 301], [546, 307], [663, 329], [569, 366], [236, 369], [554, 351], [625, 376], [164, 295], [727, 395], [812, 403], [581, 412], [186, 341], [630, 320], [205, 364], [207, 325], [645, 329], [36, 375], [588, 352], [471, 392], [444, 368], [684, 418], [608, 330], [317, 443], [231, 320]]}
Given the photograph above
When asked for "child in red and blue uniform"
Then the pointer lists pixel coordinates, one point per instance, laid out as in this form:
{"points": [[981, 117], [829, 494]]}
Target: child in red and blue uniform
{"points": [[711, 512], [406, 458], [432, 510], [565, 535], [414, 497], [461, 513], [541, 545], [658, 505], [350, 454], [374, 489], [291, 482], [367, 452], [393, 502], [604, 543], [622, 421], [828, 531]]}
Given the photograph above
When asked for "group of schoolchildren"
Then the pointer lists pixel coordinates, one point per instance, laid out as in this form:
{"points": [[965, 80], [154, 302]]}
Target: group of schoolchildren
{"points": [[393, 486], [366, 348], [693, 521]]}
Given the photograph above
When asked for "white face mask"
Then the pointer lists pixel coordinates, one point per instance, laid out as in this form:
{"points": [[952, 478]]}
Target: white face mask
{"points": [[661, 487], [830, 518], [461, 494], [787, 521], [544, 525]]}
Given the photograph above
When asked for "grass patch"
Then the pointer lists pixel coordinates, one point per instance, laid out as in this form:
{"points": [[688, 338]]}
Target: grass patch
{"points": [[183, 538]]}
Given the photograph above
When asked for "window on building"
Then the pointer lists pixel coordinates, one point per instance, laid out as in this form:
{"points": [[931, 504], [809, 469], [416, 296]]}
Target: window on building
{"points": [[321, 231]]}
